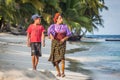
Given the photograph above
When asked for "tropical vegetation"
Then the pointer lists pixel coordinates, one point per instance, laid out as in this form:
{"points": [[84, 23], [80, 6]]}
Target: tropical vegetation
{"points": [[81, 15]]}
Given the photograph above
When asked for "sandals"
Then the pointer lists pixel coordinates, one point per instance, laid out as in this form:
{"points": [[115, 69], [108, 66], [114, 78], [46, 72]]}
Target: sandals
{"points": [[59, 75], [63, 75]]}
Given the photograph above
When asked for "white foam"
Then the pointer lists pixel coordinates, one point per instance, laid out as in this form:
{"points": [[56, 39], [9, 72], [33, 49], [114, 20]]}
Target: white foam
{"points": [[92, 58]]}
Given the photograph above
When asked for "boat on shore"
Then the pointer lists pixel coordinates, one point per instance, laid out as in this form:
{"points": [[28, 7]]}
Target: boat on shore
{"points": [[112, 39]]}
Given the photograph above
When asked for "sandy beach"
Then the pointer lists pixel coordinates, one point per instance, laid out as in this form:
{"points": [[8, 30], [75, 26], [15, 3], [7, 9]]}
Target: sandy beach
{"points": [[15, 61]]}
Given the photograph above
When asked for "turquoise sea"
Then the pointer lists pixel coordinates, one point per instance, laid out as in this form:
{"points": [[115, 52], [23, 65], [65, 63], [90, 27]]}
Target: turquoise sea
{"points": [[100, 60]]}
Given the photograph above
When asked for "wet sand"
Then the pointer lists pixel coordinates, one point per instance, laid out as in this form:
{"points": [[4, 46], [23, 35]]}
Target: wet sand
{"points": [[15, 61]]}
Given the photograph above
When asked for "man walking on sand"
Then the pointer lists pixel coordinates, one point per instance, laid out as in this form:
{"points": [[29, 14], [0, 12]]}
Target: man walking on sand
{"points": [[35, 37]]}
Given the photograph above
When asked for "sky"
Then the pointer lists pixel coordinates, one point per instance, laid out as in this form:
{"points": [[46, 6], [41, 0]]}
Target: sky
{"points": [[111, 19]]}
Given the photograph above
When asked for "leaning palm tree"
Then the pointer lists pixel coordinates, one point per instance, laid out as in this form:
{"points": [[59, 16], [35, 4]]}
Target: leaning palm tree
{"points": [[93, 11], [81, 14], [78, 14]]}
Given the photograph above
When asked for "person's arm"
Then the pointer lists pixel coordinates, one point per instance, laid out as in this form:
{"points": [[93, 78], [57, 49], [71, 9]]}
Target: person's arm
{"points": [[65, 39], [51, 32], [28, 40], [51, 37], [43, 39]]}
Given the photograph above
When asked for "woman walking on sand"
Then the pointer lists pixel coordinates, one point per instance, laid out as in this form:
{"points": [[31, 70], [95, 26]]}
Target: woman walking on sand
{"points": [[35, 36], [58, 33]]}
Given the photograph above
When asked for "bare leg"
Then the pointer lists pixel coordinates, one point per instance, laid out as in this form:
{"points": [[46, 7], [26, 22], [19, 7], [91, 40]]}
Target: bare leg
{"points": [[33, 62], [58, 69], [36, 60], [63, 68]]}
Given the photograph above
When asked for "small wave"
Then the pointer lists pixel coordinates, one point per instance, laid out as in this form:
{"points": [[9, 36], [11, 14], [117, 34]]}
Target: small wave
{"points": [[92, 58]]}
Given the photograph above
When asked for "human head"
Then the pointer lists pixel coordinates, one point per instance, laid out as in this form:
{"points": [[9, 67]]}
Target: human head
{"points": [[36, 18], [58, 18]]}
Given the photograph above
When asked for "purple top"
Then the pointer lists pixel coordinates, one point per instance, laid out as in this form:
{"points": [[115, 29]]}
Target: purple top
{"points": [[55, 28]]}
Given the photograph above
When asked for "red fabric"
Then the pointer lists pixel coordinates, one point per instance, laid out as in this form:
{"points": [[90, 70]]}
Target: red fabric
{"points": [[59, 36], [35, 32], [56, 17]]}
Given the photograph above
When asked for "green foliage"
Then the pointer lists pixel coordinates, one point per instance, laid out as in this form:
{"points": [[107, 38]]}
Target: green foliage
{"points": [[78, 14], [86, 13]]}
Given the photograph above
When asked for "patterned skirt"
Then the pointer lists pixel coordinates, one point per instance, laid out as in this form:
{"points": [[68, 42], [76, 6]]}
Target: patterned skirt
{"points": [[58, 50]]}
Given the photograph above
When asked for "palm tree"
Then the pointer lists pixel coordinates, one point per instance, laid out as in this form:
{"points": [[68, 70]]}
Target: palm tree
{"points": [[16, 11], [78, 14], [6, 10], [93, 12], [81, 14]]}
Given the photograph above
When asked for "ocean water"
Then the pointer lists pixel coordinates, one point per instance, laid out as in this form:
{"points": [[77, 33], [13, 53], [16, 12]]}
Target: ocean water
{"points": [[101, 60], [103, 36]]}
